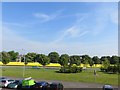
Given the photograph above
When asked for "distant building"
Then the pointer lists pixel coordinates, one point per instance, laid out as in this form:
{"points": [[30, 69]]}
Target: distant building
{"points": [[19, 58]]}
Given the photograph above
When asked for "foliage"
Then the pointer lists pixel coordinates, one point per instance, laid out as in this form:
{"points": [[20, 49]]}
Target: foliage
{"points": [[64, 60], [96, 60], [85, 59], [91, 62], [105, 63], [5, 58], [54, 57], [114, 60], [30, 57], [110, 69], [67, 69], [75, 60], [42, 59], [0, 56], [13, 55]]}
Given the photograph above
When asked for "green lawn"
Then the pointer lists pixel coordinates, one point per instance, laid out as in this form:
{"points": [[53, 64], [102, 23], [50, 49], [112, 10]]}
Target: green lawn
{"points": [[50, 74]]}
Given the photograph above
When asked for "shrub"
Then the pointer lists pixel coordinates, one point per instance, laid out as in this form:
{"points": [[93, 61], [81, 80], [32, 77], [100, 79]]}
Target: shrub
{"points": [[67, 69], [110, 69], [102, 69]]}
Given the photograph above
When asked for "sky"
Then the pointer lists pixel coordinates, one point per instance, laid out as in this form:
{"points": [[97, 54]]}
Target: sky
{"points": [[74, 28]]}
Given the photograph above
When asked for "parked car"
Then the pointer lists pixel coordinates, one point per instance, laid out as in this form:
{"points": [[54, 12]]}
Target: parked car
{"points": [[14, 84], [27, 83], [43, 85], [3, 78], [107, 87], [5, 82], [56, 86]]}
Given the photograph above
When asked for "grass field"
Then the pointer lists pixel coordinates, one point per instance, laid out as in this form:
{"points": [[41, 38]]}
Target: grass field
{"points": [[51, 74]]}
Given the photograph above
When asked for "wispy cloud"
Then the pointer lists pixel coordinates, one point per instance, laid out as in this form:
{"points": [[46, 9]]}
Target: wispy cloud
{"points": [[42, 16], [76, 30], [72, 32], [47, 17]]}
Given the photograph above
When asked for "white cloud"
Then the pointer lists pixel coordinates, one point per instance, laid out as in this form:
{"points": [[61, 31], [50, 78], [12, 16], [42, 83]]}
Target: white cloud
{"points": [[75, 31], [42, 16], [47, 17], [72, 32]]}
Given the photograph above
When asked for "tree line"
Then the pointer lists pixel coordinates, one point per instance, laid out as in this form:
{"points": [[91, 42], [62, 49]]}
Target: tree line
{"points": [[54, 57]]}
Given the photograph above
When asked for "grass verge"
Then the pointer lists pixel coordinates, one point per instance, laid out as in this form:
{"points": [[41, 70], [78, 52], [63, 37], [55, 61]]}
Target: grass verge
{"points": [[51, 74]]}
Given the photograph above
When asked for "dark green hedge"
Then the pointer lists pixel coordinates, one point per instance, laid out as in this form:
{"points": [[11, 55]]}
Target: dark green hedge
{"points": [[111, 69], [67, 69]]}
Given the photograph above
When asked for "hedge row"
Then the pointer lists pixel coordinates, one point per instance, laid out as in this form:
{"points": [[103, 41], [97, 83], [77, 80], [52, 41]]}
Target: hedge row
{"points": [[111, 69], [67, 69]]}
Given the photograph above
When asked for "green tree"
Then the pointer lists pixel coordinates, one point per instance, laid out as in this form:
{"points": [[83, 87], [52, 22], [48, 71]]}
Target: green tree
{"points": [[54, 57], [13, 55], [5, 58], [91, 62], [42, 59], [85, 59], [75, 60], [31, 57], [106, 63], [114, 60], [96, 60], [64, 60], [0, 56]]}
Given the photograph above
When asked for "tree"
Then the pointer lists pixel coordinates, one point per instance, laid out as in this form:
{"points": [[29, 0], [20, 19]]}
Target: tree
{"points": [[85, 59], [42, 59], [75, 60], [13, 55], [91, 62], [114, 60], [96, 60], [0, 56], [5, 58], [30, 57], [64, 60], [54, 57], [106, 63]]}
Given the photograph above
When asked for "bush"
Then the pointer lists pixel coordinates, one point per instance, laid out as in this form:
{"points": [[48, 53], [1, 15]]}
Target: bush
{"points": [[102, 69], [68, 69], [110, 69]]}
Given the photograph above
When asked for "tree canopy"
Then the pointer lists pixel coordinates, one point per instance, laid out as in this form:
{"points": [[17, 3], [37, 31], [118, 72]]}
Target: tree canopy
{"points": [[13, 55], [75, 60], [42, 59], [5, 57], [54, 57], [64, 60]]}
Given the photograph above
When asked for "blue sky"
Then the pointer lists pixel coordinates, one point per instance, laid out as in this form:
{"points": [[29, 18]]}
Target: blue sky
{"points": [[73, 28]]}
